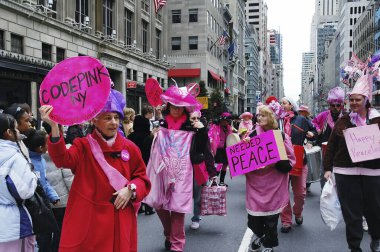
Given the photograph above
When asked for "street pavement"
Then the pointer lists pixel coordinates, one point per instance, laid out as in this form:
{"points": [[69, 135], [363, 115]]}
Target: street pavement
{"points": [[225, 234]]}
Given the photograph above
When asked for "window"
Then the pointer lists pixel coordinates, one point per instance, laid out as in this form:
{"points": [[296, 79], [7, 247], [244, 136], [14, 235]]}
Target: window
{"points": [[144, 77], [207, 17], [193, 42], [135, 75], [60, 54], [176, 43], [144, 36], [176, 16], [128, 27], [158, 43], [16, 44], [145, 5], [46, 51], [193, 15], [107, 17], [81, 11], [128, 74], [1, 40]]}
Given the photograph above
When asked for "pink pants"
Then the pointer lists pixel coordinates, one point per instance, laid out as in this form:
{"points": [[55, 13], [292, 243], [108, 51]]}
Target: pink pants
{"points": [[299, 192], [174, 228], [22, 245]]}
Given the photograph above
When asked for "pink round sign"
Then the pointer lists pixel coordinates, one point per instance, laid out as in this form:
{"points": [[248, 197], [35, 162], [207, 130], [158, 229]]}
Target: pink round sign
{"points": [[77, 88], [153, 91]]}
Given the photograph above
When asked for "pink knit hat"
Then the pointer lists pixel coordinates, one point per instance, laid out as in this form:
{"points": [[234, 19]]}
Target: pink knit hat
{"points": [[304, 108], [364, 86], [181, 97], [335, 95], [246, 114]]}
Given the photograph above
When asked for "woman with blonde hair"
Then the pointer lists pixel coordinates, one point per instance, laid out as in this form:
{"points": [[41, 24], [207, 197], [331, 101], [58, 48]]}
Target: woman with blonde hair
{"points": [[267, 191], [129, 117]]}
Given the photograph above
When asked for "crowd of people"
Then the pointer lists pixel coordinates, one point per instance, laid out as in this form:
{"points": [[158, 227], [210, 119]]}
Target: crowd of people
{"points": [[113, 166]]}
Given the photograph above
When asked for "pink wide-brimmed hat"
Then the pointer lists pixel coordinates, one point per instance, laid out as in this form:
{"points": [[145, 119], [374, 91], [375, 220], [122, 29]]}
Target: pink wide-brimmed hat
{"points": [[304, 108], [246, 114], [181, 97], [364, 86], [335, 95]]}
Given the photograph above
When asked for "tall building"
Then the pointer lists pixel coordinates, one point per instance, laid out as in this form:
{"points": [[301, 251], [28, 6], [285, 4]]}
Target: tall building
{"points": [[256, 12], [307, 78], [275, 43], [126, 36], [194, 47], [252, 59]]}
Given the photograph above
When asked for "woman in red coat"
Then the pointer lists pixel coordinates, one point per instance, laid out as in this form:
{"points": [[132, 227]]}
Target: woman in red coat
{"points": [[110, 178]]}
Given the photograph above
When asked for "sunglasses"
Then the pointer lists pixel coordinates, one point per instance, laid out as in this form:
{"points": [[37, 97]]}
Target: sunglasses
{"points": [[195, 118], [336, 105]]}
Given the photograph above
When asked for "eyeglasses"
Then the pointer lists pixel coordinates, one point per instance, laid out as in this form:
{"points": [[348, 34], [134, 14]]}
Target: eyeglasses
{"points": [[336, 105], [195, 118]]}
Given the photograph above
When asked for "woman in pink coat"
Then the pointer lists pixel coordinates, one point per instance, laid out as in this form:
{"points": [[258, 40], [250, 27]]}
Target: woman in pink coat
{"points": [[267, 189], [110, 180]]}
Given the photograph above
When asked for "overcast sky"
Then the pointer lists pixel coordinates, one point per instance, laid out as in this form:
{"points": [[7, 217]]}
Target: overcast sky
{"points": [[293, 19]]}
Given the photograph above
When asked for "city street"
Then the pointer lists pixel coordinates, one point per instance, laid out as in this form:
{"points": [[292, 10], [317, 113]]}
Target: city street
{"points": [[229, 234]]}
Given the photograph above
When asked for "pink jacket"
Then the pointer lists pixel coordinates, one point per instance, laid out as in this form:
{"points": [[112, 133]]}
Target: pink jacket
{"points": [[267, 189]]}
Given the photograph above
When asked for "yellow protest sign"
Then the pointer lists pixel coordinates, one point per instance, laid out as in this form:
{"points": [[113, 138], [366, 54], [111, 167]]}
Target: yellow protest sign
{"points": [[204, 101]]}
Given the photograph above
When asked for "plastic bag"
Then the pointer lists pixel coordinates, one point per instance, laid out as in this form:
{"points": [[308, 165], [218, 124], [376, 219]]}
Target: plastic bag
{"points": [[331, 211]]}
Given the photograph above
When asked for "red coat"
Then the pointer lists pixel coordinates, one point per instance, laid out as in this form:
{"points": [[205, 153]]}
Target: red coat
{"points": [[91, 221]]}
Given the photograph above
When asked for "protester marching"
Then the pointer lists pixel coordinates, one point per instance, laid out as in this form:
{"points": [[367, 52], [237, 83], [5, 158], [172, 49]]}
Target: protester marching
{"points": [[82, 188]]}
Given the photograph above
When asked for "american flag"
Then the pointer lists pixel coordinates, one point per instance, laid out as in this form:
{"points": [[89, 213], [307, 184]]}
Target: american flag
{"points": [[158, 4], [222, 39]]}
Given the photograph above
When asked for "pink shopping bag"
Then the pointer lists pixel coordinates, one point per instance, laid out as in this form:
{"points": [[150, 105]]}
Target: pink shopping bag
{"points": [[213, 200]]}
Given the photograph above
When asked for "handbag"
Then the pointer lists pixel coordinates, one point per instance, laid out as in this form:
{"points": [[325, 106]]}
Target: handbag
{"points": [[213, 200], [40, 211]]}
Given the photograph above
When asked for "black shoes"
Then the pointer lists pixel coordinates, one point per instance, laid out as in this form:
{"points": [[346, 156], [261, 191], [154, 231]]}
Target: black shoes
{"points": [[256, 244], [299, 221], [375, 245], [168, 245], [286, 229]]}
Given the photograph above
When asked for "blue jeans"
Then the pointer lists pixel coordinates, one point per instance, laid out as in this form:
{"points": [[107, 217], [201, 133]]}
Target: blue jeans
{"points": [[197, 190]]}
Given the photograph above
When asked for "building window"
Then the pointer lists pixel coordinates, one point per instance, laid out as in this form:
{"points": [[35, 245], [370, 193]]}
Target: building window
{"points": [[193, 15], [144, 77], [176, 43], [145, 5], [1, 40], [193, 42], [46, 51], [60, 54], [16, 44], [135, 75], [128, 27], [107, 17], [158, 43], [128, 74], [144, 36], [81, 11], [176, 16]]}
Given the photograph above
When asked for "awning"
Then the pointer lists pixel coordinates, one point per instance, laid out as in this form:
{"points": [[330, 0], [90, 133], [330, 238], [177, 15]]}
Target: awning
{"points": [[185, 72], [214, 75]]}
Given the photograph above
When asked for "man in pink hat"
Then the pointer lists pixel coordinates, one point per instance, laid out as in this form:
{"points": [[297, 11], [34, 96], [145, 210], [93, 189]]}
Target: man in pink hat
{"points": [[325, 121]]}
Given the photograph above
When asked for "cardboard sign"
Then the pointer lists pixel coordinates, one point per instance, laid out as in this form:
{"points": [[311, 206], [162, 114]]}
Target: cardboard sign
{"points": [[204, 101], [262, 150], [363, 143], [153, 91], [77, 88]]}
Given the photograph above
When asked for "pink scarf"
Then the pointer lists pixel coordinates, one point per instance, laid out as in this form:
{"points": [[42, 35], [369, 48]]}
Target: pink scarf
{"points": [[115, 178], [330, 120], [287, 125], [175, 123]]}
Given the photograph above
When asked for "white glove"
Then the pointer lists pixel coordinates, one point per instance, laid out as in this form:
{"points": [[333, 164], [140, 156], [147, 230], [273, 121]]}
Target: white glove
{"points": [[198, 125]]}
